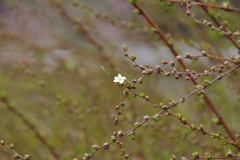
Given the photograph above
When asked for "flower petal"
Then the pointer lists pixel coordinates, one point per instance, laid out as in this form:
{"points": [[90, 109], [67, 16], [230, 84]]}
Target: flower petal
{"points": [[121, 82], [116, 80]]}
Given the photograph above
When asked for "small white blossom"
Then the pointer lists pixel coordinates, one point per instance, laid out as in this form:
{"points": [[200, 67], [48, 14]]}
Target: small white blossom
{"points": [[119, 79]]}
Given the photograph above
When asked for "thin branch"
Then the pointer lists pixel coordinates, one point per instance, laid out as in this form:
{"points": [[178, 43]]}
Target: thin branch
{"points": [[219, 24], [163, 37], [236, 10]]}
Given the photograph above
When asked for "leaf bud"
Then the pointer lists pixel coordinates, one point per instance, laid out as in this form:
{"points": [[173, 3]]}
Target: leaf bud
{"points": [[127, 156], [167, 74], [122, 151], [27, 156], [195, 155], [229, 153], [146, 117], [16, 156], [206, 83], [122, 104], [140, 80], [209, 24], [156, 118], [204, 53], [87, 155], [125, 48], [113, 139], [187, 55], [106, 146], [132, 135], [153, 29], [125, 92], [133, 57], [95, 147], [179, 57], [192, 127], [164, 62], [11, 146], [213, 68], [119, 133], [173, 157], [2, 142], [137, 124]]}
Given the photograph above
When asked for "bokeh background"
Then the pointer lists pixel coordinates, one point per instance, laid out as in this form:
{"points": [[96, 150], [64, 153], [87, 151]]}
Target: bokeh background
{"points": [[50, 71]]}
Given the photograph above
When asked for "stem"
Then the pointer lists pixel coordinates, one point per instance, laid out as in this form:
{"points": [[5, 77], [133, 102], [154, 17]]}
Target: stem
{"points": [[183, 65]]}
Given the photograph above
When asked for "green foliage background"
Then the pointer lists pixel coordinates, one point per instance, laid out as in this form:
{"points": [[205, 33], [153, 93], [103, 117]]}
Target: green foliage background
{"points": [[50, 59]]}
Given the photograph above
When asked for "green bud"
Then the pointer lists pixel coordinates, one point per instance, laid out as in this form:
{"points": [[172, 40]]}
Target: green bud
{"points": [[125, 48], [173, 157], [192, 127], [132, 135], [11, 146], [113, 139], [146, 117], [193, 60], [204, 53], [137, 11], [187, 55], [229, 153], [179, 116], [125, 92], [161, 104], [198, 86], [127, 156], [195, 155], [16, 156], [153, 29], [137, 124], [2, 142], [170, 42], [132, 1], [119, 133], [206, 83], [142, 95], [95, 147], [133, 57], [106, 146], [184, 120], [209, 24], [122, 151], [27, 156], [87, 155], [156, 118], [74, 4]]}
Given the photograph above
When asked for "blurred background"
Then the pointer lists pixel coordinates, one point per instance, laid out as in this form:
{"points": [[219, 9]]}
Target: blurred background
{"points": [[50, 72]]}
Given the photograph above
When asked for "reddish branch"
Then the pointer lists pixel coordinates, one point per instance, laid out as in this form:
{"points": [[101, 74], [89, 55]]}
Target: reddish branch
{"points": [[183, 65], [208, 5], [219, 24]]}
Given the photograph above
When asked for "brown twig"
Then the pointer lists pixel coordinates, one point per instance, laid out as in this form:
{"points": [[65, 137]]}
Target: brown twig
{"points": [[219, 24], [183, 65], [208, 5]]}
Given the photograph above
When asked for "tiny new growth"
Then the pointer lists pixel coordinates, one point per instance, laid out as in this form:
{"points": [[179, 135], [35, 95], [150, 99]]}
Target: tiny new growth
{"points": [[119, 79]]}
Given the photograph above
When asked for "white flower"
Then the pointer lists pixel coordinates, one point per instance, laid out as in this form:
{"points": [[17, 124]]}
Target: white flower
{"points": [[119, 79]]}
